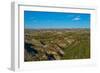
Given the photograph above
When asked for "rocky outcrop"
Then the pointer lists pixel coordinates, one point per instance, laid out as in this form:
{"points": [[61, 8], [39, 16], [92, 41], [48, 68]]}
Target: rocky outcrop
{"points": [[47, 44]]}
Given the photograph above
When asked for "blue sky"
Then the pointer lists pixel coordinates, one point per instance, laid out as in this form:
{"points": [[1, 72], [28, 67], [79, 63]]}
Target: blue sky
{"points": [[45, 20]]}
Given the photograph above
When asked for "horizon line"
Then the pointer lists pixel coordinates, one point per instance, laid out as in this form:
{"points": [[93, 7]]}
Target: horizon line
{"points": [[58, 28]]}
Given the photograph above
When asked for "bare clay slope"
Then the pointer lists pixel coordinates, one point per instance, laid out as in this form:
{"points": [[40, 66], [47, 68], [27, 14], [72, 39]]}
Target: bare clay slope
{"points": [[56, 44]]}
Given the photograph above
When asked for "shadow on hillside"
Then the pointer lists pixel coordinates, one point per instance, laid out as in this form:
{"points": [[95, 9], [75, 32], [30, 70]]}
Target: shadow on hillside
{"points": [[28, 47]]}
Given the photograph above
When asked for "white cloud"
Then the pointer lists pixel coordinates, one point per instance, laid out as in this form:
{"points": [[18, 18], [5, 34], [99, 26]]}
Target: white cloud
{"points": [[76, 18]]}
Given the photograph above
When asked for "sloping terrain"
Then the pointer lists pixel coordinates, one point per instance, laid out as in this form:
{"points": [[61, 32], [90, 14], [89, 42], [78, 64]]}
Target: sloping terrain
{"points": [[56, 44]]}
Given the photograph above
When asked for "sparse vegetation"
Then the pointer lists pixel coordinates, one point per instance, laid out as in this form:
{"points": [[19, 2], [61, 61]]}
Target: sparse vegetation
{"points": [[56, 44]]}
